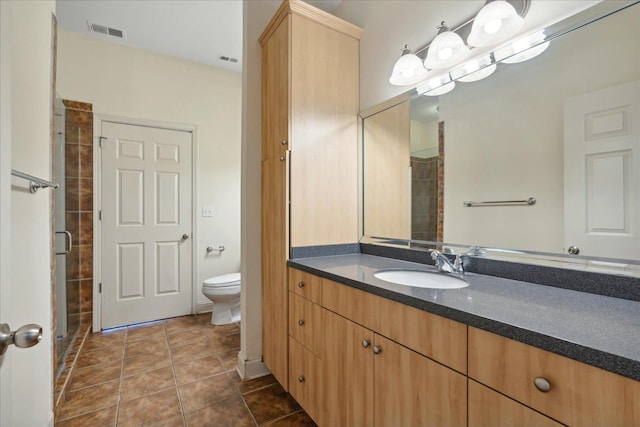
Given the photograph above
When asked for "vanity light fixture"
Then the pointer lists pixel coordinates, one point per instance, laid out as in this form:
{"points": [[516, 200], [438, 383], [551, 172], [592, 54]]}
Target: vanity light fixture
{"points": [[437, 86], [446, 50], [408, 69], [474, 70], [522, 49], [496, 21]]}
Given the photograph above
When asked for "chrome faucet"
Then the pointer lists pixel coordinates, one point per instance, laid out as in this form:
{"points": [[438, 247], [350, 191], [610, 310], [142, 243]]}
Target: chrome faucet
{"points": [[443, 264]]}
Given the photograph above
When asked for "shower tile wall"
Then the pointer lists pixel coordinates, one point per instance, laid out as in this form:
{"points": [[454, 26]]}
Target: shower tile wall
{"points": [[424, 198], [79, 206]]}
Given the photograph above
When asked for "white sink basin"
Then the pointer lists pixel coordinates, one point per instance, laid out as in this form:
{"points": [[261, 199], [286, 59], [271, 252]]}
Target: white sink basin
{"points": [[421, 279]]}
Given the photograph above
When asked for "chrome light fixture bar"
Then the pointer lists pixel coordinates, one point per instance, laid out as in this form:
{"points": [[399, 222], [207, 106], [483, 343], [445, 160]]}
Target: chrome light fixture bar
{"points": [[448, 48]]}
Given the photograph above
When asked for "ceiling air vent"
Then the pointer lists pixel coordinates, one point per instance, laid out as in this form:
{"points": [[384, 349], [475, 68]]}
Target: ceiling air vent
{"points": [[107, 31], [227, 59]]}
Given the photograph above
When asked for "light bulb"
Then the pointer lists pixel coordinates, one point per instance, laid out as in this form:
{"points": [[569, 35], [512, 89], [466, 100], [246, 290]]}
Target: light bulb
{"points": [[445, 53], [408, 73], [493, 26]]}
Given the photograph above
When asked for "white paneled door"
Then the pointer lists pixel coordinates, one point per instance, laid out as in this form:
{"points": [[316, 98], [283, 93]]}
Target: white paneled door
{"points": [[146, 223], [602, 172]]}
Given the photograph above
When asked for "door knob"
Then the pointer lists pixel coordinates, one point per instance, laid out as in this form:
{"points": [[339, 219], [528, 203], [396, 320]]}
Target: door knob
{"points": [[26, 336], [185, 236], [573, 250]]}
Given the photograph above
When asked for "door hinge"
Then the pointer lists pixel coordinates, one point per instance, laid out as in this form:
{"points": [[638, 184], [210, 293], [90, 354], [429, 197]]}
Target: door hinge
{"points": [[100, 287], [100, 215], [100, 139]]}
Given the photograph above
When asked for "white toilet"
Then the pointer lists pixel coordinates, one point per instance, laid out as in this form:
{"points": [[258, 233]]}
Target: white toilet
{"points": [[224, 292]]}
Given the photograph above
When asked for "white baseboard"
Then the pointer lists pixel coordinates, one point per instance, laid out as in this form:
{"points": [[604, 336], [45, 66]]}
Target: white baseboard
{"points": [[250, 369], [202, 307]]}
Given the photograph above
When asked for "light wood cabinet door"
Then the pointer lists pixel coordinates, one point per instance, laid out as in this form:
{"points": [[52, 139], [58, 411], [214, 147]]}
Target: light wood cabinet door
{"points": [[305, 322], [488, 408], [305, 378], [579, 394], [306, 285], [275, 91], [413, 390], [274, 273], [347, 367]]}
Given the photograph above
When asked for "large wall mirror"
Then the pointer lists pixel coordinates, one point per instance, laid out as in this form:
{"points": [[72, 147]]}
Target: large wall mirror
{"points": [[562, 128]]}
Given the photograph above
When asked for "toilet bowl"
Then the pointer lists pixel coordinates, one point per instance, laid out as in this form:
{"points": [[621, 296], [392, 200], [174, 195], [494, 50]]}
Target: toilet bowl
{"points": [[224, 292]]}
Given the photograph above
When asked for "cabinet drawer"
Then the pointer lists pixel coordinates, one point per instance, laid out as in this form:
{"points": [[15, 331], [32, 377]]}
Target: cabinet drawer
{"points": [[488, 408], [305, 322], [305, 381], [358, 306], [306, 285], [579, 394], [434, 336]]}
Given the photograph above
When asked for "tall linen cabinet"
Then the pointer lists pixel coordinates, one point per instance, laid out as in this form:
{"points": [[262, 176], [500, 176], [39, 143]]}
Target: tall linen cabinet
{"points": [[310, 100]]}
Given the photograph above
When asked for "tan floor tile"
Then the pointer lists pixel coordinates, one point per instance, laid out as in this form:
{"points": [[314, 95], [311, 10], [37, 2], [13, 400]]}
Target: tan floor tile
{"points": [[230, 329], [146, 383], [299, 419], [140, 364], [247, 386], [141, 332], [204, 318], [188, 336], [89, 399], [92, 375], [179, 324], [152, 409], [98, 357], [229, 359], [192, 351], [110, 339], [101, 418], [205, 392], [148, 346], [270, 403], [228, 413], [197, 369], [224, 343]]}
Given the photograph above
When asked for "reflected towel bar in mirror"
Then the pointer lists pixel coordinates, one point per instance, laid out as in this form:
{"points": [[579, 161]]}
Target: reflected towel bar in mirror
{"points": [[34, 183], [529, 202]]}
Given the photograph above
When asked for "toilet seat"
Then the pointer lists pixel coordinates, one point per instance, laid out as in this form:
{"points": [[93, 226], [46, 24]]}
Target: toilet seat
{"points": [[225, 280]]}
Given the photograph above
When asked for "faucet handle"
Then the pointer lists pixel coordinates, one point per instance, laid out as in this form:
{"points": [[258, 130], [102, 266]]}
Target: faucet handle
{"points": [[458, 265]]}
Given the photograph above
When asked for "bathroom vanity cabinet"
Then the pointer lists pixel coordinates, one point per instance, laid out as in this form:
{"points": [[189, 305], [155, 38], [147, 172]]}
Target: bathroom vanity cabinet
{"points": [[310, 99], [344, 371], [578, 394], [359, 359]]}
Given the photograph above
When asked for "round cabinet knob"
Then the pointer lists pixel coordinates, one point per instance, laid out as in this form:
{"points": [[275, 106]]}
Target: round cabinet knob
{"points": [[366, 343], [301, 284], [377, 350], [301, 379], [542, 384], [282, 158], [573, 250], [300, 322], [284, 142]]}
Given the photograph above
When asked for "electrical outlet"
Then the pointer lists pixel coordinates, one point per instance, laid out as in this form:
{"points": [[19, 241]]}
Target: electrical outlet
{"points": [[207, 211]]}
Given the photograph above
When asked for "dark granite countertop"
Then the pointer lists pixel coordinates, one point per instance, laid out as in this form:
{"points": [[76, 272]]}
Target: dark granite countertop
{"points": [[598, 330]]}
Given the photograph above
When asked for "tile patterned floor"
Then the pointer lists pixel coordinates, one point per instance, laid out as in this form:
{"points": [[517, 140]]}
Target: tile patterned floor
{"points": [[174, 372]]}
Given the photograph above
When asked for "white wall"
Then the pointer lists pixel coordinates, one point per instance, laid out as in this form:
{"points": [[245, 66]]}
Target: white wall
{"points": [[424, 139], [26, 374], [257, 15], [135, 83]]}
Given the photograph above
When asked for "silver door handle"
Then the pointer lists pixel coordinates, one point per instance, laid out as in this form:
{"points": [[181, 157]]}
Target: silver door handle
{"points": [[26, 336], [67, 242]]}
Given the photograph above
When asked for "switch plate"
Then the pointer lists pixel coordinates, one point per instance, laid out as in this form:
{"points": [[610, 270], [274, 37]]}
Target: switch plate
{"points": [[207, 212]]}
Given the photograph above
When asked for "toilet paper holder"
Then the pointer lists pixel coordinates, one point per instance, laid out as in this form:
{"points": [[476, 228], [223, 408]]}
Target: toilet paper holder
{"points": [[219, 249]]}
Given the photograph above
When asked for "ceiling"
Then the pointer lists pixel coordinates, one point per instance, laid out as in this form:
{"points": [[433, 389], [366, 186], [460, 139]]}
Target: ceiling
{"points": [[195, 30]]}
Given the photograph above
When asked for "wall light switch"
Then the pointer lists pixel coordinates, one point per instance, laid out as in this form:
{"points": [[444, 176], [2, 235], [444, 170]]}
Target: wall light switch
{"points": [[207, 211]]}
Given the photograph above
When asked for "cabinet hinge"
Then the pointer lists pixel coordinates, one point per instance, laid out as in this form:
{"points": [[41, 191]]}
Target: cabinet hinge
{"points": [[100, 287], [100, 215]]}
